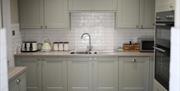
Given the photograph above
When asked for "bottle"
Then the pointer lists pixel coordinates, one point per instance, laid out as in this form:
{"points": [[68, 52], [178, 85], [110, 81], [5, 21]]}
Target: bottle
{"points": [[66, 46]]}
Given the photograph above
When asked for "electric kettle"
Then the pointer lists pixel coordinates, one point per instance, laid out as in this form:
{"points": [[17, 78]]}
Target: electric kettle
{"points": [[46, 47]]}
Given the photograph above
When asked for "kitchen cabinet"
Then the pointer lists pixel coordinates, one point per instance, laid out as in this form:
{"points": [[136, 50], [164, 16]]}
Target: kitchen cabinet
{"points": [[1, 14], [33, 72], [44, 74], [93, 74], [43, 14], [54, 74], [165, 5], [158, 86], [105, 74], [56, 14], [18, 84], [14, 12], [31, 13], [79, 74], [127, 15], [92, 4], [134, 73], [135, 14]]}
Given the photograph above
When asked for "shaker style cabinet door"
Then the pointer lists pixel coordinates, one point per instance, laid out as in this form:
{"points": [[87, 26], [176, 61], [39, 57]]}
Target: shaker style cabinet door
{"points": [[18, 84], [147, 14], [165, 5], [31, 13], [105, 74], [56, 14], [54, 74], [79, 74], [33, 72], [104, 4], [133, 73], [1, 14], [128, 14], [80, 4], [92, 4]]}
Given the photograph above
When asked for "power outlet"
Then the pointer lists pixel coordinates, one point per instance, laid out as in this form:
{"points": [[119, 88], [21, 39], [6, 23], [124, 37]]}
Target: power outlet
{"points": [[13, 33]]}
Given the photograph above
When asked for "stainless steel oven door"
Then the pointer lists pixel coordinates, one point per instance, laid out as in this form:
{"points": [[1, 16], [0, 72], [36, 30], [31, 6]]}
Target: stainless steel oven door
{"points": [[163, 33], [162, 57]]}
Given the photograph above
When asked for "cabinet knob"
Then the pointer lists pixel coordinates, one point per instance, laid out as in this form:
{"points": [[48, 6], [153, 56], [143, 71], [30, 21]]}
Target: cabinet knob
{"points": [[18, 81], [45, 27], [134, 60], [142, 26], [41, 27]]}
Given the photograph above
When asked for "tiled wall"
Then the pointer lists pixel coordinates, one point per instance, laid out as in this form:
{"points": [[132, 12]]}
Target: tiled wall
{"points": [[99, 25]]}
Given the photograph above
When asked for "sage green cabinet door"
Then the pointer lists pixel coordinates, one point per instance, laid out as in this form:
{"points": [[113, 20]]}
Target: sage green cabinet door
{"points": [[13, 86], [80, 4], [104, 4], [92, 4], [79, 74], [22, 83], [105, 74], [128, 14], [147, 14], [165, 5], [18, 84], [134, 74], [56, 14], [31, 13], [0, 14], [54, 74], [33, 72]]}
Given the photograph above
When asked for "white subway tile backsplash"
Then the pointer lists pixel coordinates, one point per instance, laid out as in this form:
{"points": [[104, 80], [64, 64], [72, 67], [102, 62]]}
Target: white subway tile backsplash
{"points": [[99, 25]]}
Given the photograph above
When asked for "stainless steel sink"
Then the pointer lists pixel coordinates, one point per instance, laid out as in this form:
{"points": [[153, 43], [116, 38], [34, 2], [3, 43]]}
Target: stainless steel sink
{"points": [[83, 52]]}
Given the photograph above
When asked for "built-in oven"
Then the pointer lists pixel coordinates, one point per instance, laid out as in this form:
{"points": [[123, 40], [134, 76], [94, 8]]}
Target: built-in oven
{"points": [[164, 23]]}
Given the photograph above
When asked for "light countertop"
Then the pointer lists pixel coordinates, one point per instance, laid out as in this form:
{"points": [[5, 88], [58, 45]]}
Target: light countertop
{"points": [[56, 53], [15, 71]]}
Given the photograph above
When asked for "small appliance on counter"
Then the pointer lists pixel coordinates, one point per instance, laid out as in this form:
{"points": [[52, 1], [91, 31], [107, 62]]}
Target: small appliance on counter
{"points": [[146, 44], [131, 47], [61, 46], [29, 46], [46, 46]]}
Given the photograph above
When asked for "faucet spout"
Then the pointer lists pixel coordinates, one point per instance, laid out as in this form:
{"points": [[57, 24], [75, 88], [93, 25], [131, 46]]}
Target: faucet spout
{"points": [[89, 47]]}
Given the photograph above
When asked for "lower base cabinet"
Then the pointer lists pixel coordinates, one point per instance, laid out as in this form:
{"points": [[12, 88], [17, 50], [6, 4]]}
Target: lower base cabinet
{"points": [[134, 73], [87, 73], [18, 84]]}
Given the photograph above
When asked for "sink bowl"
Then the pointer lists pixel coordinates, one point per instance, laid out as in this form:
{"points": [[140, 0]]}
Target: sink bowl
{"points": [[83, 52]]}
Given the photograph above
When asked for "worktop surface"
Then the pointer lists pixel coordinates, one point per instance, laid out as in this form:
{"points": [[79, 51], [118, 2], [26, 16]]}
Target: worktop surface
{"points": [[15, 71], [53, 53]]}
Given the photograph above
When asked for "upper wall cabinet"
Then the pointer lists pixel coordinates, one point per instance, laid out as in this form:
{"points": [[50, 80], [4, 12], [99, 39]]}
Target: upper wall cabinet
{"points": [[0, 15], [165, 5], [31, 13], [14, 12], [92, 4], [135, 14], [47, 14], [128, 14]]}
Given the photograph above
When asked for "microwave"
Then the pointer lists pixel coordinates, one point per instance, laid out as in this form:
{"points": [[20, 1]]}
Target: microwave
{"points": [[146, 44]]}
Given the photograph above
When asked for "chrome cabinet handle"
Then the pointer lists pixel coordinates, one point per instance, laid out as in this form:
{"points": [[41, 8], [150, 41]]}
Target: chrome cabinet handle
{"points": [[18, 81], [134, 60]]}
